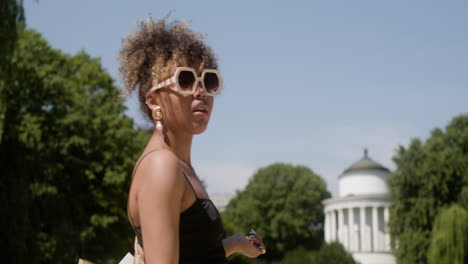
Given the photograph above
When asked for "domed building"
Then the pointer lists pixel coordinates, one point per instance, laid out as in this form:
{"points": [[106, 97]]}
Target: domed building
{"points": [[358, 217]]}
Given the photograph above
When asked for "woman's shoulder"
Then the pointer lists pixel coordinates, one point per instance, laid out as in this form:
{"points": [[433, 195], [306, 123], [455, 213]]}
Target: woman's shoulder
{"points": [[160, 157], [160, 167]]}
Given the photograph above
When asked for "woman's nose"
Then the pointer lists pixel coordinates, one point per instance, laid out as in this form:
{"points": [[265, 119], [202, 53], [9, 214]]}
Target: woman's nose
{"points": [[200, 91]]}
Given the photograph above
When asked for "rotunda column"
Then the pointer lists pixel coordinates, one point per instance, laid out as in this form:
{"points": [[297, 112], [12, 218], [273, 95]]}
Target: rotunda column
{"points": [[362, 228], [333, 225], [327, 226], [340, 225], [386, 229], [375, 228], [350, 229]]}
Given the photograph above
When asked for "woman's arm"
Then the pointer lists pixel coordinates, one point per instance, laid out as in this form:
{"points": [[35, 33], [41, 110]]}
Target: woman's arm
{"points": [[241, 244], [230, 243], [159, 201]]}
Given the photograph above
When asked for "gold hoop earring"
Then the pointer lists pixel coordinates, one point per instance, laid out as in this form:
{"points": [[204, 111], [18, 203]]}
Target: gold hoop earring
{"points": [[158, 116]]}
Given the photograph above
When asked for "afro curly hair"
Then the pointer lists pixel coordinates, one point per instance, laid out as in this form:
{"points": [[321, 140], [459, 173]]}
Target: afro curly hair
{"points": [[149, 52]]}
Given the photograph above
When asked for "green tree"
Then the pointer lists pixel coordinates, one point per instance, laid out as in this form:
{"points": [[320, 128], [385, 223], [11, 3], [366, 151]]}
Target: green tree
{"points": [[283, 203], [11, 22], [333, 253], [67, 154], [428, 176], [449, 243], [299, 255]]}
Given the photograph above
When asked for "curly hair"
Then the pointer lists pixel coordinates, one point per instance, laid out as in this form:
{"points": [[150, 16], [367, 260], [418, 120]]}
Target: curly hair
{"points": [[148, 52]]}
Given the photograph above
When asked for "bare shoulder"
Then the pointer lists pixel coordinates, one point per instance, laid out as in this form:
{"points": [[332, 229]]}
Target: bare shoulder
{"points": [[159, 199], [157, 187], [162, 159], [160, 167]]}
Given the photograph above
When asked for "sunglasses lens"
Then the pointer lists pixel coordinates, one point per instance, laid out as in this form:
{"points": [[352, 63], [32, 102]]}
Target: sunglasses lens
{"points": [[211, 82], [186, 80]]}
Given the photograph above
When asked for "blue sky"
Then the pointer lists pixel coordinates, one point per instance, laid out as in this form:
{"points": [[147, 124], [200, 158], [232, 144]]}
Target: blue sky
{"points": [[306, 82]]}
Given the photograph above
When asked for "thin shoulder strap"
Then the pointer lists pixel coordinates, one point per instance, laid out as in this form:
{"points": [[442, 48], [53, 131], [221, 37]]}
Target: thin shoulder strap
{"points": [[131, 182], [141, 159], [189, 182]]}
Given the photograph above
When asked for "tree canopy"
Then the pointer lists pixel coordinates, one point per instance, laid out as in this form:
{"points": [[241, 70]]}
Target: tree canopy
{"points": [[429, 176], [449, 243], [67, 154], [11, 22], [283, 203], [332, 253]]}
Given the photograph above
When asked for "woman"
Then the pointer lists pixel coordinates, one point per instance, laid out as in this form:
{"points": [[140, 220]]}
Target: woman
{"points": [[176, 76]]}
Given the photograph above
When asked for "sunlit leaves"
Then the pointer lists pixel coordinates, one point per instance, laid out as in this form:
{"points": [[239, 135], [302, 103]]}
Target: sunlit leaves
{"points": [[429, 176], [281, 202], [68, 153]]}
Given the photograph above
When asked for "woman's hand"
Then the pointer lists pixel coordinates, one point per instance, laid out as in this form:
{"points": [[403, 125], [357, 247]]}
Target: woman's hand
{"points": [[251, 246], [257, 241]]}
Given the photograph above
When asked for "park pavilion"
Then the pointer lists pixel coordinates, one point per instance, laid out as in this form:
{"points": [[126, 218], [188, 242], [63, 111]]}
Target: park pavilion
{"points": [[358, 217]]}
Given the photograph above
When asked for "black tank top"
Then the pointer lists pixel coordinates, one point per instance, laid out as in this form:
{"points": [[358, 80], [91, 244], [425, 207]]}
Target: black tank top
{"points": [[201, 231]]}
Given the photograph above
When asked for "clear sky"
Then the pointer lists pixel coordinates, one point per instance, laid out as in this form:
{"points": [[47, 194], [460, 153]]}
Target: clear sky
{"points": [[306, 82]]}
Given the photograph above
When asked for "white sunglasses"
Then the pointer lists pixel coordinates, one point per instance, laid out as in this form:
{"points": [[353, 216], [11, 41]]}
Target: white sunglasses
{"points": [[186, 81]]}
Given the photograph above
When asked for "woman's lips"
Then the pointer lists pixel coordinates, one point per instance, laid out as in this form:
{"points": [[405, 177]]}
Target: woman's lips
{"points": [[200, 112], [200, 109]]}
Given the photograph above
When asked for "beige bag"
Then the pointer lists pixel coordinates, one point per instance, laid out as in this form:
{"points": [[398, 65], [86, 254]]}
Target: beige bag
{"points": [[139, 257], [83, 261], [139, 254]]}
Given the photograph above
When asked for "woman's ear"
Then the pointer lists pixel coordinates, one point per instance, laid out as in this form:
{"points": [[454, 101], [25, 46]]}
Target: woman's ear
{"points": [[151, 100]]}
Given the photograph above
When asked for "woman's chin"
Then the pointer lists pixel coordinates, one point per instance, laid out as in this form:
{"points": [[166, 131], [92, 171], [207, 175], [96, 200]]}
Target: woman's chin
{"points": [[199, 128]]}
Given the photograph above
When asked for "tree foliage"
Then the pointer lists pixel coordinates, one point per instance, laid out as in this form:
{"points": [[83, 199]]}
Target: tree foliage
{"points": [[11, 22], [283, 203], [332, 253], [67, 154], [298, 255], [328, 254], [449, 243], [428, 176]]}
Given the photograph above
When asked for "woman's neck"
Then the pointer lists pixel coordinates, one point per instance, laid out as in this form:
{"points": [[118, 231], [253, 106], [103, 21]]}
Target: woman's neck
{"points": [[179, 144]]}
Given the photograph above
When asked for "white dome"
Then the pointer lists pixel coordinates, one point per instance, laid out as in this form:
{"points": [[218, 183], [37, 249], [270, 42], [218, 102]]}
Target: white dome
{"points": [[364, 177], [358, 217]]}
